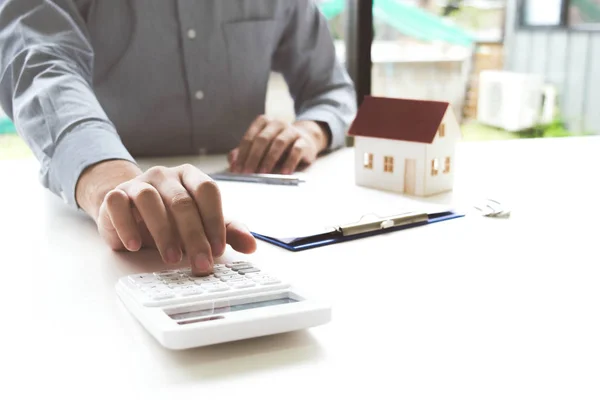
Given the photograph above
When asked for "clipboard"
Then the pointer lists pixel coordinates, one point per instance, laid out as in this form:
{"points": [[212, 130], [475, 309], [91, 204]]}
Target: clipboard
{"points": [[361, 229]]}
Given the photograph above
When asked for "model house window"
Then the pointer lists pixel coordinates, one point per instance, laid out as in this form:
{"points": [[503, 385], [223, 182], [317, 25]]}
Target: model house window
{"points": [[442, 130], [368, 161], [388, 164], [447, 165], [434, 167]]}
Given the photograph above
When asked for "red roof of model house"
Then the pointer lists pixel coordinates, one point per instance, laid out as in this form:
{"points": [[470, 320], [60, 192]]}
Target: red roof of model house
{"points": [[399, 119]]}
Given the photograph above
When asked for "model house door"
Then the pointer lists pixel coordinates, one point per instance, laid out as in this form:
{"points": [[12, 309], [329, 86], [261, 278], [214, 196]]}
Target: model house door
{"points": [[410, 176]]}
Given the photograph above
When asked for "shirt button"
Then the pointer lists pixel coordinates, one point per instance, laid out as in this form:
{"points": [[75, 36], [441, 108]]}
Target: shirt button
{"points": [[199, 95], [191, 34]]}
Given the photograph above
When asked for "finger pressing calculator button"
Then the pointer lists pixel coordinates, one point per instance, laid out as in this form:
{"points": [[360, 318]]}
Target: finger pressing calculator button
{"points": [[248, 270]]}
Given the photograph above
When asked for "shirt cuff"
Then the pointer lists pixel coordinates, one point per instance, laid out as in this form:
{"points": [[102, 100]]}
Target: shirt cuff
{"points": [[337, 127], [78, 150]]}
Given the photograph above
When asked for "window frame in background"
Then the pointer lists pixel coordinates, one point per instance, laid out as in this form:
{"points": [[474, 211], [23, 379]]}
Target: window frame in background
{"points": [[563, 23]]}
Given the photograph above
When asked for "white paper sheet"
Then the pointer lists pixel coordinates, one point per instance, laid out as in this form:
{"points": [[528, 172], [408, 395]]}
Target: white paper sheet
{"points": [[310, 209]]}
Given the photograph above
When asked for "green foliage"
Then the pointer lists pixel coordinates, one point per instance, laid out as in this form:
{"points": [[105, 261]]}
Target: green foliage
{"points": [[557, 128]]}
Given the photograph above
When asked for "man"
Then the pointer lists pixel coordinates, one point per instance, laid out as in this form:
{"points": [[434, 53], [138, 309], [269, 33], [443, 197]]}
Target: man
{"points": [[92, 84]]}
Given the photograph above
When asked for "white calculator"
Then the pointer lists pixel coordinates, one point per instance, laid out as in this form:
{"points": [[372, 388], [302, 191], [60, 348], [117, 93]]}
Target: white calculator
{"points": [[237, 301]]}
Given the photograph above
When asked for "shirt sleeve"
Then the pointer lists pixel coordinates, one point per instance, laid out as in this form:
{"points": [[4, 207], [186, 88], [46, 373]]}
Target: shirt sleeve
{"points": [[46, 72], [319, 84]]}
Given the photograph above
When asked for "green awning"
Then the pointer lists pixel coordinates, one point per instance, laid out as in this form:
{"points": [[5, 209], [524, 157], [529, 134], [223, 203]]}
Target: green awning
{"points": [[409, 20], [332, 8], [6, 126]]}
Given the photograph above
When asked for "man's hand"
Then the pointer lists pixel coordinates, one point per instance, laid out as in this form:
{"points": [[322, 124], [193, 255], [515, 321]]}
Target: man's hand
{"points": [[177, 210], [271, 143]]}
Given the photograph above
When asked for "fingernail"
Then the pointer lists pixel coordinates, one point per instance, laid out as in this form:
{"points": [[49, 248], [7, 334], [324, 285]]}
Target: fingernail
{"points": [[133, 245], [285, 171], [173, 255], [263, 171], [202, 264]]}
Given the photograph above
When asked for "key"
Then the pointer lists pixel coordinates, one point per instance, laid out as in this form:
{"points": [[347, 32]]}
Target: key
{"points": [[224, 273], [238, 264], [266, 280], [161, 295], [214, 287], [241, 284], [248, 271], [179, 284], [203, 279], [167, 272], [228, 278], [142, 278], [153, 287]]}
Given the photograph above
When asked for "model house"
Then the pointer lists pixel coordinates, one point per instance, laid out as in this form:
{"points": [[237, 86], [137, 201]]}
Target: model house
{"points": [[405, 146]]}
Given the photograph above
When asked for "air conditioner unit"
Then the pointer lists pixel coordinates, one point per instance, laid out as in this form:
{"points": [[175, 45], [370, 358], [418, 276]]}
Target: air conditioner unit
{"points": [[509, 100]]}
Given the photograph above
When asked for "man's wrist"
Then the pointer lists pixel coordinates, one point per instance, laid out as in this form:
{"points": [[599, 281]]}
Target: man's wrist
{"points": [[318, 131], [99, 179]]}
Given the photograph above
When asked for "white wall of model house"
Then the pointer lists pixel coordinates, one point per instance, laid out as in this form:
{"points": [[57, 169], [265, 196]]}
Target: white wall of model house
{"points": [[376, 177], [443, 150], [426, 183]]}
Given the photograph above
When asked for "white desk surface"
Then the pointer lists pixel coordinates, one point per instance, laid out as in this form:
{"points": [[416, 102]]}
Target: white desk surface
{"points": [[473, 308]]}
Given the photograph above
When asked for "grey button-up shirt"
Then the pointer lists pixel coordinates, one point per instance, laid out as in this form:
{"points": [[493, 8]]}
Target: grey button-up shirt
{"points": [[90, 80]]}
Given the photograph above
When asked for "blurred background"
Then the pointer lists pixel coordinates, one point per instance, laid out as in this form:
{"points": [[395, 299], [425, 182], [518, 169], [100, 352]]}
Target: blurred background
{"points": [[512, 69]]}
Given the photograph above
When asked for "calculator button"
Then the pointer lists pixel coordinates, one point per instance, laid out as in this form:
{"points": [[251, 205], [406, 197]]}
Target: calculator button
{"points": [[185, 271], [266, 280], [174, 280], [248, 271], [214, 287], [238, 264], [162, 295], [241, 284], [224, 273], [142, 278], [166, 272], [153, 287], [178, 284], [235, 277], [191, 292], [220, 268], [204, 279]]}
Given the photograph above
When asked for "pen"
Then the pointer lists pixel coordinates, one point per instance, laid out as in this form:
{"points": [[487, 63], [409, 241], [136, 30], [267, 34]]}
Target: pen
{"points": [[272, 179]]}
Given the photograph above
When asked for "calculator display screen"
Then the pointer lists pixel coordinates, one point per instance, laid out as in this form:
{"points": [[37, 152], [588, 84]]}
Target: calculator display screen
{"points": [[221, 309]]}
